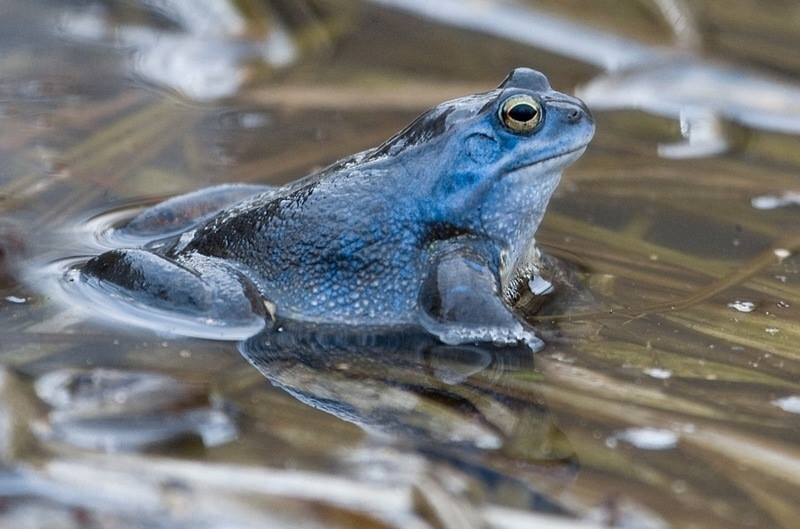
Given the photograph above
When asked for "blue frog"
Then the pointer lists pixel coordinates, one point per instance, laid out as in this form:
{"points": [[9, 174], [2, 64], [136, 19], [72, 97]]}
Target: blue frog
{"points": [[433, 229]]}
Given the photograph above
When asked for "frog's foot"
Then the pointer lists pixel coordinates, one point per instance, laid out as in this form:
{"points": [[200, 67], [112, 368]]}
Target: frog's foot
{"points": [[462, 304], [181, 213], [198, 296], [456, 333]]}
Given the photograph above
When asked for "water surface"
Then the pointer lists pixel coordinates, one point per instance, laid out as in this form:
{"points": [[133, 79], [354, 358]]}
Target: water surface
{"points": [[667, 395]]}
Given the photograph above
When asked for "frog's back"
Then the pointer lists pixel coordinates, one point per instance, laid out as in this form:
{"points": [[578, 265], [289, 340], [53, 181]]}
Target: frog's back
{"points": [[333, 239]]}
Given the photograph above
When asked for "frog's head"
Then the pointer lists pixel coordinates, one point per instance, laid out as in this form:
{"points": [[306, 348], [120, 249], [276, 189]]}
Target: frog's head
{"points": [[493, 160]]}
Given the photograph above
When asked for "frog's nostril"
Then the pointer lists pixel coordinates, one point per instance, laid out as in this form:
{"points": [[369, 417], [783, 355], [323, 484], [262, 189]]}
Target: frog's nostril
{"points": [[575, 115]]}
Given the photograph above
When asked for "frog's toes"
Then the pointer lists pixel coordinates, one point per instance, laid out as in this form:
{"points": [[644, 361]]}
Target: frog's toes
{"points": [[199, 296], [457, 334]]}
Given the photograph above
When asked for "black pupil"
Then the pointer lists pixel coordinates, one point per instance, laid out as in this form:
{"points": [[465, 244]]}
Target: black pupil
{"points": [[522, 112]]}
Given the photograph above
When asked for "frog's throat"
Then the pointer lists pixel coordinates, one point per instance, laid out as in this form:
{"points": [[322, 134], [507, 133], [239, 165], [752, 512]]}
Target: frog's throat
{"points": [[512, 213], [520, 199]]}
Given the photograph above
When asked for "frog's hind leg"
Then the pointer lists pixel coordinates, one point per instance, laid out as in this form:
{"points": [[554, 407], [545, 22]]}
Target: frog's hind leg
{"points": [[180, 213], [198, 296]]}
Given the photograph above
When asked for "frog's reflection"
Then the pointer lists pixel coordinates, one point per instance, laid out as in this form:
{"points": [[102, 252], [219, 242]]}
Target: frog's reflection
{"points": [[456, 403]]}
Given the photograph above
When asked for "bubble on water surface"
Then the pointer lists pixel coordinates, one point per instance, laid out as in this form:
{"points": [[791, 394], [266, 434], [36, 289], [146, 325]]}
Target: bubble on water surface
{"points": [[742, 306], [649, 438], [788, 198], [16, 299], [659, 373], [540, 286], [789, 404]]}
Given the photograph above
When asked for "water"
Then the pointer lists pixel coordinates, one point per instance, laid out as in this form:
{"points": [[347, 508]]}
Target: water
{"points": [[654, 404]]}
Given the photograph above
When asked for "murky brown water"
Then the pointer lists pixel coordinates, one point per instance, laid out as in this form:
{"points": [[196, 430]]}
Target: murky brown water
{"points": [[668, 395]]}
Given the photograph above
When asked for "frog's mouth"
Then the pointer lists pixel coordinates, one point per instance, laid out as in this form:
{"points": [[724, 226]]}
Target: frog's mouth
{"points": [[562, 159]]}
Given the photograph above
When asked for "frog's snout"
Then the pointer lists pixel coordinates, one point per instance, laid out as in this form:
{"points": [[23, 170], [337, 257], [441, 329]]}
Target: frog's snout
{"points": [[575, 119], [578, 113], [570, 110], [575, 115]]}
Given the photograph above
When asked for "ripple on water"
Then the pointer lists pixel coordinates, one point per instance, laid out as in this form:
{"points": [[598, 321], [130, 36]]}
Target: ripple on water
{"points": [[61, 280]]}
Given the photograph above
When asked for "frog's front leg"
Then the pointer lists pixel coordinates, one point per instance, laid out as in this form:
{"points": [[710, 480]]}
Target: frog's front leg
{"points": [[182, 212], [461, 299], [195, 296]]}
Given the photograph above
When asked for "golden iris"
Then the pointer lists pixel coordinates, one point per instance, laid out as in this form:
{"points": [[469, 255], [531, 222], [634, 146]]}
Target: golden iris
{"points": [[521, 113]]}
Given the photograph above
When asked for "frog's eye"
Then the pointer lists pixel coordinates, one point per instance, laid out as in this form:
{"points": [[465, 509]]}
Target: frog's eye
{"points": [[521, 113]]}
